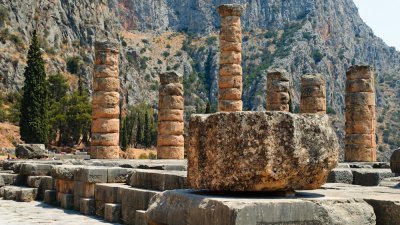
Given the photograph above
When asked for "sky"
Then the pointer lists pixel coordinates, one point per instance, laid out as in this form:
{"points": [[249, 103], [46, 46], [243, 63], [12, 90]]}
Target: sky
{"points": [[383, 17]]}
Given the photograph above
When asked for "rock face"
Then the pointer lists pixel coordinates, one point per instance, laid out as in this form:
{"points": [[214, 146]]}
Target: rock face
{"points": [[230, 71], [31, 151], [260, 151], [313, 94], [170, 140], [278, 90], [360, 115], [105, 103]]}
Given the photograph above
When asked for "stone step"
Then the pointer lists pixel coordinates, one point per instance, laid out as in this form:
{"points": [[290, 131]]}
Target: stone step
{"points": [[140, 217], [133, 199], [112, 212], [370, 177], [88, 206], [50, 197], [21, 194], [105, 193], [159, 180], [35, 169]]}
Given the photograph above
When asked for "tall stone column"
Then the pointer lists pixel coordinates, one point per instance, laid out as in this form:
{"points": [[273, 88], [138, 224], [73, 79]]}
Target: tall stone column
{"points": [[105, 103], [278, 87], [230, 71], [313, 94], [170, 140], [360, 115]]}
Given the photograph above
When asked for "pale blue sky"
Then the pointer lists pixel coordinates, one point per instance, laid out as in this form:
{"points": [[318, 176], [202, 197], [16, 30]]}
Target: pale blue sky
{"points": [[383, 17]]}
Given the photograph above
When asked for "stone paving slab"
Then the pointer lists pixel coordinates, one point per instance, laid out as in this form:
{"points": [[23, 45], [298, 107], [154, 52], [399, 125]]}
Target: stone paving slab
{"points": [[32, 213]]}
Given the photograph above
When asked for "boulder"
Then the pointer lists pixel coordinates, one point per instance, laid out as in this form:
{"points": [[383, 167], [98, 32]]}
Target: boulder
{"points": [[31, 151], [260, 151], [395, 161]]}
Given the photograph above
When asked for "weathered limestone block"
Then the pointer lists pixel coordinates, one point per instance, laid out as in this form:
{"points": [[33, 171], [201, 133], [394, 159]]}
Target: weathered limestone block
{"points": [[230, 73], [64, 172], [87, 206], [170, 120], [112, 212], [67, 201], [395, 162], [30, 151], [196, 208], [360, 115], [108, 84], [370, 177], [105, 103], [134, 199], [340, 175], [26, 194], [91, 174], [50, 197], [266, 151], [105, 125], [278, 90], [157, 179], [117, 174], [105, 139], [34, 169], [313, 94], [105, 152]]}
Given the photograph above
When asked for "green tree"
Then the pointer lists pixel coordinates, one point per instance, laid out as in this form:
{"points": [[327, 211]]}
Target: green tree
{"points": [[147, 130], [58, 87], [34, 105], [124, 134], [208, 108]]}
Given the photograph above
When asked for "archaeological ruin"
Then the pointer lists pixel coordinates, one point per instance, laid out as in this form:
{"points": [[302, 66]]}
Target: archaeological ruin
{"points": [[170, 140], [278, 87], [105, 103], [360, 115], [313, 94], [269, 167], [230, 72]]}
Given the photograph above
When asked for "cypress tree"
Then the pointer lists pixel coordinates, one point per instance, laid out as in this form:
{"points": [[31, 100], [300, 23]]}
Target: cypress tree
{"points": [[34, 125], [147, 130], [208, 108], [124, 135]]}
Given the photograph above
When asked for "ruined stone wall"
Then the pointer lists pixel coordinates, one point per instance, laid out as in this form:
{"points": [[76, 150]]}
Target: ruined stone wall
{"points": [[313, 94], [170, 140], [230, 72], [360, 115], [278, 90], [105, 103]]}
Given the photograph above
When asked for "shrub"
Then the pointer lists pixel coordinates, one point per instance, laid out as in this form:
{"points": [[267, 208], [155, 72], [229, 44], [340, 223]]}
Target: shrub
{"points": [[168, 46], [16, 39], [145, 41], [317, 56], [330, 110], [270, 34], [4, 35], [143, 156], [165, 54], [73, 64], [211, 40], [3, 15], [152, 156], [178, 54]]}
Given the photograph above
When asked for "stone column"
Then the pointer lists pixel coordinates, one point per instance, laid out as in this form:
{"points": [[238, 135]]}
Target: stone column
{"points": [[170, 141], [313, 94], [278, 95], [360, 115], [230, 71], [105, 103]]}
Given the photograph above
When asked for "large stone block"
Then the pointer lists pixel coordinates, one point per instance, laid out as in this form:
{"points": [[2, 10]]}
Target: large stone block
{"points": [[158, 179], [370, 177], [64, 172], [92, 175], [198, 208], [26, 194], [117, 174], [31, 151], [395, 161], [33, 169], [107, 193], [87, 206], [340, 176], [67, 201], [266, 151], [112, 212], [50, 197]]}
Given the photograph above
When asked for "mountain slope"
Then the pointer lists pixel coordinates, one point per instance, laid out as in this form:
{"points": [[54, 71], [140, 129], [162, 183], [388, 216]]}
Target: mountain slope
{"points": [[302, 36]]}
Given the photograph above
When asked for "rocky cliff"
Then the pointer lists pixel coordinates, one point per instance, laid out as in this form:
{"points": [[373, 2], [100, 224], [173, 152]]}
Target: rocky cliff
{"points": [[302, 36]]}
